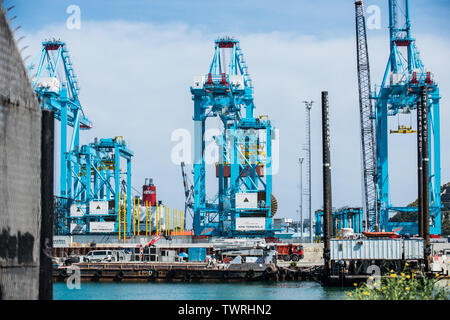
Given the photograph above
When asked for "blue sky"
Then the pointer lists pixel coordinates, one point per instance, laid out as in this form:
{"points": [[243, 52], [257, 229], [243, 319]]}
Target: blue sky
{"points": [[136, 59], [321, 18]]}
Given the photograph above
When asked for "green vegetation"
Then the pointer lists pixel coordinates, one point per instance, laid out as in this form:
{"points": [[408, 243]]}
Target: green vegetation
{"points": [[404, 217], [404, 286], [412, 216]]}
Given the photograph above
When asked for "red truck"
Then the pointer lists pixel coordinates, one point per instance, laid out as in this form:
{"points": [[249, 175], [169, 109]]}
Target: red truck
{"points": [[290, 251]]}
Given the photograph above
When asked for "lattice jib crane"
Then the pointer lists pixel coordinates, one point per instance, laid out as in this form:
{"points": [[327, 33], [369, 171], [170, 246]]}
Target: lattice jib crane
{"points": [[366, 120], [244, 204]]}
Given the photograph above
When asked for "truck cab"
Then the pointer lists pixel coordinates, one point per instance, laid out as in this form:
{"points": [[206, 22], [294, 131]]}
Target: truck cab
{"points": [[290, 251]]}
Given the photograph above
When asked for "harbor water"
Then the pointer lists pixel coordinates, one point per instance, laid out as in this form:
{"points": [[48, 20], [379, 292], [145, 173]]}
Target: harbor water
{"points": [[288, 290]]}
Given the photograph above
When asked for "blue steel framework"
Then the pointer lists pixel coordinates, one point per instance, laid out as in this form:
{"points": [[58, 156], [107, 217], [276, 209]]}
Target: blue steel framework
{"points": [[342, 218], [85, 171], [99, 180], [245, 153], [406, 75]]}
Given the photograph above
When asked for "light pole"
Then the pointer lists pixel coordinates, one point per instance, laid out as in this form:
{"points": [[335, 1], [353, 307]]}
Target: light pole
{"points": [[308, 105], [300, 160]]}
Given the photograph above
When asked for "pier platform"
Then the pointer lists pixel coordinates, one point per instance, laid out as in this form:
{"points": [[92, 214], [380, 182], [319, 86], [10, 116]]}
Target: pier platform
{"points": [[185, 271]]}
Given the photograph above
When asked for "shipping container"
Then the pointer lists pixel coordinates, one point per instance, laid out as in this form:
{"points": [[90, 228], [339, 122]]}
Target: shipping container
{"points": [[413, 249], [149, 195], [167, 259], [366, 249], [197, 254], [243, 172]]}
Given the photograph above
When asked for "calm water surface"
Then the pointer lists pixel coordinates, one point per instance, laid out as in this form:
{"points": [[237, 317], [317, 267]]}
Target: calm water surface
{"points": [[198, 291]]}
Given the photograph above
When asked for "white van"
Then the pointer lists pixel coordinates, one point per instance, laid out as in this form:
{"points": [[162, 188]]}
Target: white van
{"points": [[100, 256]]}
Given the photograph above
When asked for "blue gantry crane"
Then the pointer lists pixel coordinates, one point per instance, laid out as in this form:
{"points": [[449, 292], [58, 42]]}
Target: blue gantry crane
{"points": [[401, 92], [345, 217], [96, 200], [90, 175], [244, 204], [58, 91]]}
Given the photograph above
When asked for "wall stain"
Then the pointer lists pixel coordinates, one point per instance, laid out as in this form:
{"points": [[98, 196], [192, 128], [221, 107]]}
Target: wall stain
{"points": [[25, 248], [20, 246]]}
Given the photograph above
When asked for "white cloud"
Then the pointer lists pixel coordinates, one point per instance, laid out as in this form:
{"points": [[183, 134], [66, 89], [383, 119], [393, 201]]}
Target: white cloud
{"points": [[135, 80]]}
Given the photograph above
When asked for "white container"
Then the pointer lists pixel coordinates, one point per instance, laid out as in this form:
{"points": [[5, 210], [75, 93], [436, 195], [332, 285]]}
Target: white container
{"points": [[366, 249], [77, 228], [346, 233], [413, 249], [246, 200], [49, 83], [101, 227], [76, 211], [250, 224], [171, 253], [167, 259], [62, 241], [98, 207]]}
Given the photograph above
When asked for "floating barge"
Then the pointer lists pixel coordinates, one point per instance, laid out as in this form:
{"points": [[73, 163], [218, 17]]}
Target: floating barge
{"points": [[184, 271]]}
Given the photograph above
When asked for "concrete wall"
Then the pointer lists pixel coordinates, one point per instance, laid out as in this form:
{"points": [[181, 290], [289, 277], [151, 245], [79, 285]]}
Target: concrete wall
{"points": [[20, 132], [313, 253]]}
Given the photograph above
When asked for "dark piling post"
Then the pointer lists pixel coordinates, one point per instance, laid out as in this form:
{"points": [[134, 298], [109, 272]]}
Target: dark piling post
{"points": [[327, 208], [419, 169], [46, 246], [425, 175]]}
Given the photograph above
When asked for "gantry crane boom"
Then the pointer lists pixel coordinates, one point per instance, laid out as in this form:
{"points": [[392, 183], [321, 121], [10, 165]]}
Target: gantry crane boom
{"points": [[188, 193], [185, 182], [401, 92], [243, 203], [88, 173], [366, 118]]}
